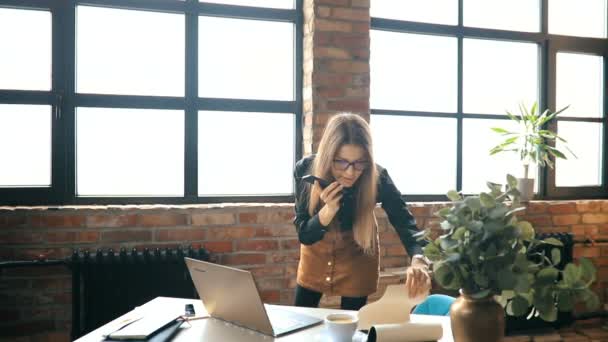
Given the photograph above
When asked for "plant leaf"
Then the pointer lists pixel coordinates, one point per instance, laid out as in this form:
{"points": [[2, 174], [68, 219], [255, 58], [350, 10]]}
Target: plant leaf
{"points": [[487, 200], [553, 241], [453, 195]]}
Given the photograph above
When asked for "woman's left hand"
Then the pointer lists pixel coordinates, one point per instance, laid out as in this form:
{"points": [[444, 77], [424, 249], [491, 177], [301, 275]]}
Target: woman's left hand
{"points": [[418, 281]]}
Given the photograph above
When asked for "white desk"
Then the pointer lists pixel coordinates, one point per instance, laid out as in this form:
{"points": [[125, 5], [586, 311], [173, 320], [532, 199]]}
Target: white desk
{"points": [[210, 329]]}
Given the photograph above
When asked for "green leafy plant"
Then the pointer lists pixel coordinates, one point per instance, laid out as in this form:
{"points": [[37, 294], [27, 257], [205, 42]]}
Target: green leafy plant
{"points": [[532, 141], [485, 250]]}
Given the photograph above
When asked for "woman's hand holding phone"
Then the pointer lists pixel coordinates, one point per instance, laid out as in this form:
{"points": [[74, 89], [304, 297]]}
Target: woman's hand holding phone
{"points": [[331, 196]]}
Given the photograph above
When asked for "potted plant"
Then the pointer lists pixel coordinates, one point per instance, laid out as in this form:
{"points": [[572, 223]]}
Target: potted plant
{"points": [[498, 265], [532, 142]]}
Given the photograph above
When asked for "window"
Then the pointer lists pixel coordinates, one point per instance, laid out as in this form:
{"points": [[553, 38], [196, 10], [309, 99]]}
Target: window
{"points": [[164, 101], [442, 78]]}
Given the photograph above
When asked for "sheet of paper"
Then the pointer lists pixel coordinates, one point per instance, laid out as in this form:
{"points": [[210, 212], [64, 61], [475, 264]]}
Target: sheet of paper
{"points": [[392, 308], [405, 332]]}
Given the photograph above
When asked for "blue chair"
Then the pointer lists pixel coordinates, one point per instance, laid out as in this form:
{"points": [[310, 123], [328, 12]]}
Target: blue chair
{"points": [[436, 304]]}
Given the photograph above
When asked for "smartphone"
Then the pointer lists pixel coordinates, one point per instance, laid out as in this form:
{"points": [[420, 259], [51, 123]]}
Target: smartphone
{"points": [[311, 179]]}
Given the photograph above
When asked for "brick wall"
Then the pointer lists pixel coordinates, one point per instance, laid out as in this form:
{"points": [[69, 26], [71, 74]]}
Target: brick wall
{"points": [[336, 63], [260, 238]]}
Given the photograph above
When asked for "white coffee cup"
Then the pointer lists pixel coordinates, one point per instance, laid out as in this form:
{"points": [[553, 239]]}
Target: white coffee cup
{"points": [[341, 327]]}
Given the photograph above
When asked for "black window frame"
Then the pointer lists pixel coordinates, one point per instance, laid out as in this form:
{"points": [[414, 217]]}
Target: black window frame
{"points": [[549, 45], [64, 99]]}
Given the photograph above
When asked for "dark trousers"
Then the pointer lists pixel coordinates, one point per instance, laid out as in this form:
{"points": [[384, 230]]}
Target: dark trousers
{"points": [[309, 298]]}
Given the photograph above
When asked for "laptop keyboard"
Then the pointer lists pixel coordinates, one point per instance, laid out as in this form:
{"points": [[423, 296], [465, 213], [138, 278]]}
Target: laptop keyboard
{"points": [[281, 321]]}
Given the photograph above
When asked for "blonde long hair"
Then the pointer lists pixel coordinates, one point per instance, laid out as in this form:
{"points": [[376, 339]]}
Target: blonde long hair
{"points": [[341, 130]]}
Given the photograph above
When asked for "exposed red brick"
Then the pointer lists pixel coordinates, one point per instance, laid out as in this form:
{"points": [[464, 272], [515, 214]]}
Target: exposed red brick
{"points": [[190, 234], [284, 256], [213, 219], [420, 211], [350, 14], [562, 208], [563, 220], [290, 244], [111, 221], [390, 237], [585, 229], [279, 231], [333, 26], [586, 251], [331, 52], [348, 105], [601, 261], [162, 220], [72, 237], [327, 79], [604, 206], [270, 283], [361, 27], [229, 233], [589, 206], [595, 218], [243, 259], [270, 296], [57, 221], [126, 236], [257, 245], [20, 237], [534, 208], [539, 220], [393, 261], [395, 250], [267, 270], [267, 217], [329, 92], [360, 3], [218, 246], [332, 2]]}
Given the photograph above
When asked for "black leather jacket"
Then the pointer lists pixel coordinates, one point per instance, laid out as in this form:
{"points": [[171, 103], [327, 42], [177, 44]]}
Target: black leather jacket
{"points": [[310, 229]]}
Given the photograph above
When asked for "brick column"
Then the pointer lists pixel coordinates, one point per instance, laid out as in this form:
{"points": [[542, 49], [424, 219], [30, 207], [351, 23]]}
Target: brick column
{"points": [[336, 63]]}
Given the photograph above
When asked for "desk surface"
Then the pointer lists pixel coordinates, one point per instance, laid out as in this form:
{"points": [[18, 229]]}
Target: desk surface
{"points": [[204, 329]]}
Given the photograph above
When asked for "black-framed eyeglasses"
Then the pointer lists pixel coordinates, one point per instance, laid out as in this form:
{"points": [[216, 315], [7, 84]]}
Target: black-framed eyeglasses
{"points": [[343, 165]]}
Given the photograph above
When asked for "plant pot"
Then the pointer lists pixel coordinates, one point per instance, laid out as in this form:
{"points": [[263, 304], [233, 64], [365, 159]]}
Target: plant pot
{"points": [[525, 186], [476, 320]]}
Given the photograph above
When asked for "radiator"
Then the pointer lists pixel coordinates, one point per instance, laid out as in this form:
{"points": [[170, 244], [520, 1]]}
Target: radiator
{"points": [[106, 284], [517, 324]]}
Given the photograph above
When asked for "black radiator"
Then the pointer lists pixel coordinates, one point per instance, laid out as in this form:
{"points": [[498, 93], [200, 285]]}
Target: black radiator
{"points": [[106, 284], [517, 324]]}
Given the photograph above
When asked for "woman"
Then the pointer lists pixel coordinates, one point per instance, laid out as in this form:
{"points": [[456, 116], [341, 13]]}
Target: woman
{"points": [[336, 225]]}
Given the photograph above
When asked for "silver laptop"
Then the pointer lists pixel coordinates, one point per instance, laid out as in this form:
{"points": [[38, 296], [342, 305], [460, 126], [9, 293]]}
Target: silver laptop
{"points": [[231, 295]]}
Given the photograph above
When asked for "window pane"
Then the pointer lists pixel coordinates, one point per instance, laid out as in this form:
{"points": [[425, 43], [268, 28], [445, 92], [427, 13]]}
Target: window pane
{"points": [[478, 166], [585, 140], [428, 170], [129, 152], [25, 145], [25, 56], [427, 11], [245, 153], [413, 72], [287, 4], [579, 84], [498, 75], [129, 52], [578, 18], [514, 15], [247, 59]]}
